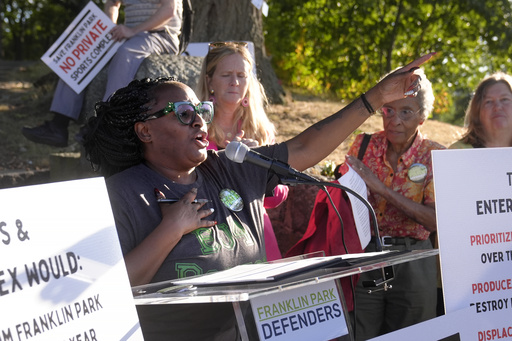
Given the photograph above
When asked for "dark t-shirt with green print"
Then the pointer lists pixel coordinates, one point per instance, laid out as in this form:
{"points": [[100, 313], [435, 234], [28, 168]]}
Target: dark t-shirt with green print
{"points": [[236, 239]]}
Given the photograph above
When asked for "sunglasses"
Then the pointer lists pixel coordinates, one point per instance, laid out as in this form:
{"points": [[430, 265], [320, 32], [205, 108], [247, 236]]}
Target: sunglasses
{"points": [[186, 111], [217, 44], [404, 115]]}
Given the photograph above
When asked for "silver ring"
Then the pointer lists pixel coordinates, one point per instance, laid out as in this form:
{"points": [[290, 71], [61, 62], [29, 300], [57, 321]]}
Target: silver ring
{"points": [[415, 90]]}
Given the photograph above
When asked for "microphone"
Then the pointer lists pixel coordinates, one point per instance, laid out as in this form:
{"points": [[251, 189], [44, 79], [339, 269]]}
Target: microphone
{"points": [[238, 152]]}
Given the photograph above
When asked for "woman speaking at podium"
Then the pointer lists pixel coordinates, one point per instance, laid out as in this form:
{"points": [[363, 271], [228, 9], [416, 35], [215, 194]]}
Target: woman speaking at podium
{"points": [[150, 140]]}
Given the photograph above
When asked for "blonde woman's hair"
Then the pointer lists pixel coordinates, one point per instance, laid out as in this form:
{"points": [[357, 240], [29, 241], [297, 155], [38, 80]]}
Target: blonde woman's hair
{"points": [[255, 122], [475, 134]]}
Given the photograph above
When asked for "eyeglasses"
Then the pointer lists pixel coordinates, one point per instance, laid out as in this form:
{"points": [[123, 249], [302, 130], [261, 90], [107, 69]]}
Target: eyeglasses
{"points": [[491, 103], [404, 115], [217, 44], [186, 111]]}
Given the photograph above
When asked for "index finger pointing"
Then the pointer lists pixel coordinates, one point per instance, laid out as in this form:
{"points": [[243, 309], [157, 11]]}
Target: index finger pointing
{"points": [[417, 62]]}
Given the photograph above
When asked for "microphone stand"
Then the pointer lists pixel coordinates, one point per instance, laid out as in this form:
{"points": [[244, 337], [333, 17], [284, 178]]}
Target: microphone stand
{"points": [[315, 182], [387, 272]]}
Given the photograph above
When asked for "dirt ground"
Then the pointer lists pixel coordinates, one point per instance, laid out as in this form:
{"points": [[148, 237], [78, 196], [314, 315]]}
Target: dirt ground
{"points": [[24, 103], [298, 114]]}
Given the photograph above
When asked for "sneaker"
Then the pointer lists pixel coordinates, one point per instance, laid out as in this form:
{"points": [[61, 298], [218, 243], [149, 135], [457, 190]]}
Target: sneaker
{"points": [[47, 133]]}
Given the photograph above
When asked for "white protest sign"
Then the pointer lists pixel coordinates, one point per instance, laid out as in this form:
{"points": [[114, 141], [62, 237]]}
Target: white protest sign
{"points": [[83, 49], [312, 312], [456, 326], [62, 274], [474, 220]]}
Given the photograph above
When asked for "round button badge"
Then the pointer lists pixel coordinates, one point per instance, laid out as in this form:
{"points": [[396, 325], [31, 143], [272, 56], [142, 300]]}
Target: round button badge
{"points": [[231, 199], [417, 172]]}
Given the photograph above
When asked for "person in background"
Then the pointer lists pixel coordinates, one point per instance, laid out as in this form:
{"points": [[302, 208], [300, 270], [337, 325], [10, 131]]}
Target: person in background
{"points": [[150, 141], [488, 124], [489, 114], [227, 79], [151, 27], [397, 169]]}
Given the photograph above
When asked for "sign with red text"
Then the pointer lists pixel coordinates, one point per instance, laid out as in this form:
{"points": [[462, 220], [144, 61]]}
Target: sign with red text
{"points": [[62, 274], [474, 220], [312, 312], [83, 49], [460, 325]]}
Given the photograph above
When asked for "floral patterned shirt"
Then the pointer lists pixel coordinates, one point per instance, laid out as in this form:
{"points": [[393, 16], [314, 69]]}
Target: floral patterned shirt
{"points": [[392, 222]]}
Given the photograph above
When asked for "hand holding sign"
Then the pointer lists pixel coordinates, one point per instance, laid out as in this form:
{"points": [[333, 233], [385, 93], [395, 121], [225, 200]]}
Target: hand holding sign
{"points": [[121, 32], [83, 49]]}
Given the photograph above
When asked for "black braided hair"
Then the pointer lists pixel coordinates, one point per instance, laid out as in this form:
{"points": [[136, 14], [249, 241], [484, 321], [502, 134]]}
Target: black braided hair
{"points": [[110, 142]]}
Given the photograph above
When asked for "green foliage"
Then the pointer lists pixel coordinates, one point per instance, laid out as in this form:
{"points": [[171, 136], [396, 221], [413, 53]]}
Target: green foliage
{"points": [[328, 168], [344, 47], [334, 48]]}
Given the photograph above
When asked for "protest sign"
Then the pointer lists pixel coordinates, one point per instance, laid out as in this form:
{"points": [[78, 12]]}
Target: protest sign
{"points": [[456, 326], [62, 274], [474, 220], [83, 49], [313, 312]]}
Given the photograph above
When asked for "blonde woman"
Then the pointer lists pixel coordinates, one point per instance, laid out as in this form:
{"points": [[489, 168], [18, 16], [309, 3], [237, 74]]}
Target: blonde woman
{"points": [[228, 80]]}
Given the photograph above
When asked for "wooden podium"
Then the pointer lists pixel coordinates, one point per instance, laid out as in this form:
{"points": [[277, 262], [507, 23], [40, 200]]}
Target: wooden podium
{"points": [[308, 303]]}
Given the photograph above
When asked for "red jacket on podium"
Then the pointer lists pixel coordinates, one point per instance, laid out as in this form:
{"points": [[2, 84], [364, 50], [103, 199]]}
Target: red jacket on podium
{"points": [[324, 233]]}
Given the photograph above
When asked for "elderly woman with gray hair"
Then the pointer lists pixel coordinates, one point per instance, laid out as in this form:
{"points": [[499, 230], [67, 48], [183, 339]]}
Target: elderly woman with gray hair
{"points": [[397, 169]]}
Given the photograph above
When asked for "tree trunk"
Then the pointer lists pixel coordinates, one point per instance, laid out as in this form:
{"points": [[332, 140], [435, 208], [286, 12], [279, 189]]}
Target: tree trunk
{"points": [[237, 20], [2, 53]]}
